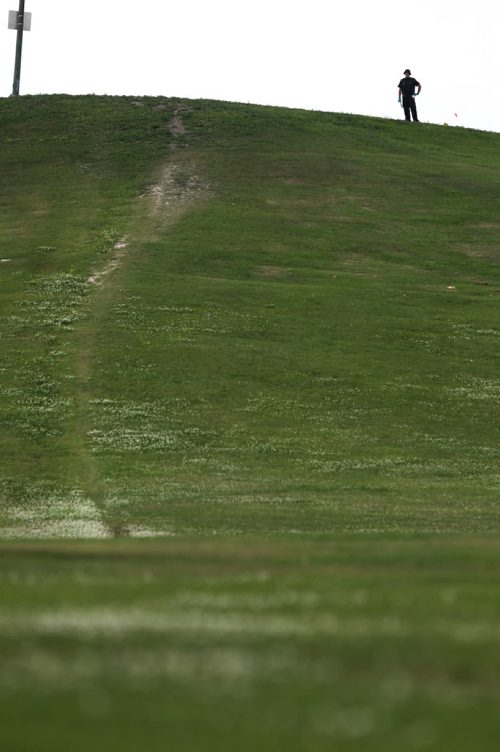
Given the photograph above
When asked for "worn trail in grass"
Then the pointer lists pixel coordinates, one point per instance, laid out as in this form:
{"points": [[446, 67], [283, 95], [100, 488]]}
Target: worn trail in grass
{"points": [[175, 188]]}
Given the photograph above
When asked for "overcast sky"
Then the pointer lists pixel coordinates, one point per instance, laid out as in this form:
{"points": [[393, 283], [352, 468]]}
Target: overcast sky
{"points": [[316, 54]]}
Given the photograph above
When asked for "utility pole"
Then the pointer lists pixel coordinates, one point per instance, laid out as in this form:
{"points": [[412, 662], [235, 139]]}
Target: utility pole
{"points": [[20, 21]]}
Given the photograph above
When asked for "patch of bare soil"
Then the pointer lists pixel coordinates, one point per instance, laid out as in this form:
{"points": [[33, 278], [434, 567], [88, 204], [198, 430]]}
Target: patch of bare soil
{"points": [[177, 187], [272, 271], [98, 277], [176, 125]]}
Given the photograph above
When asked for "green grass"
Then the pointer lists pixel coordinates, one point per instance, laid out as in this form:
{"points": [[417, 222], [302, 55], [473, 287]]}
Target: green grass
{"points": [[270, 337], [344, 643]]}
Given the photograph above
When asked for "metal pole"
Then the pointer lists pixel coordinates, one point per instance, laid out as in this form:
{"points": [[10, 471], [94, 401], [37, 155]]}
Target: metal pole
{"points": [[19, 49]]}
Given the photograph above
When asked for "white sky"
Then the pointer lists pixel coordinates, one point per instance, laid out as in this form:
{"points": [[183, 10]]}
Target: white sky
{"points": [[317, 54]]}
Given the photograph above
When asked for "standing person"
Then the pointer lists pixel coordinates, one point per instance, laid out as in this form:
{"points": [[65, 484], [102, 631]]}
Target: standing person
{"points": [[407, 87]]}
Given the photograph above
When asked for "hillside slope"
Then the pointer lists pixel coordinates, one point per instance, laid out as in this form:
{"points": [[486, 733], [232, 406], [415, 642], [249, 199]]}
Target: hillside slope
{"points": [[269, 338], [221, 317]]}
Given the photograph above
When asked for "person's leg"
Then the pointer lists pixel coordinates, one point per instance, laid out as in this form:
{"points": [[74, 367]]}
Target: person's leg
{"points": [[413, 107], [406, 107]]}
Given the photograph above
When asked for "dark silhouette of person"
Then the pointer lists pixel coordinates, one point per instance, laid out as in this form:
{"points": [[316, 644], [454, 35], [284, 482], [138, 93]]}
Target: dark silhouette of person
{"points": [[407, 87]]}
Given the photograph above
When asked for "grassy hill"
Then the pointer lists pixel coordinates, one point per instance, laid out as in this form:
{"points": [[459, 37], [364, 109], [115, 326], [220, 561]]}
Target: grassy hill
{"points": [[270, 340]]}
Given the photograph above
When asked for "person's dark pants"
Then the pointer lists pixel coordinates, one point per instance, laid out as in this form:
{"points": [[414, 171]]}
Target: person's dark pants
{"points": [[410, 106]]}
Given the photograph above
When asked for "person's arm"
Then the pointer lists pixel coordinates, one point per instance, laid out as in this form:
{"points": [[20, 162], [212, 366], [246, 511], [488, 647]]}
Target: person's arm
{"points": [[419, 89], [399, 94]]}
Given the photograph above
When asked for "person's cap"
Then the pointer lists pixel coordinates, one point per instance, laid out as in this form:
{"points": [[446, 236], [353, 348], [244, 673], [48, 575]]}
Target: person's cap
{"points": [[407, 71]]}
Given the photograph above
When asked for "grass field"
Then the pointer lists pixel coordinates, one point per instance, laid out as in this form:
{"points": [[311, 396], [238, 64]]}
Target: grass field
{"points": [[250, 402]]}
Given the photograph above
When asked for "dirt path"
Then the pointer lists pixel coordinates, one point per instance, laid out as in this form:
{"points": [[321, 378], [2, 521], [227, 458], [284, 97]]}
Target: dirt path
{"points": [[175, 189]]}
